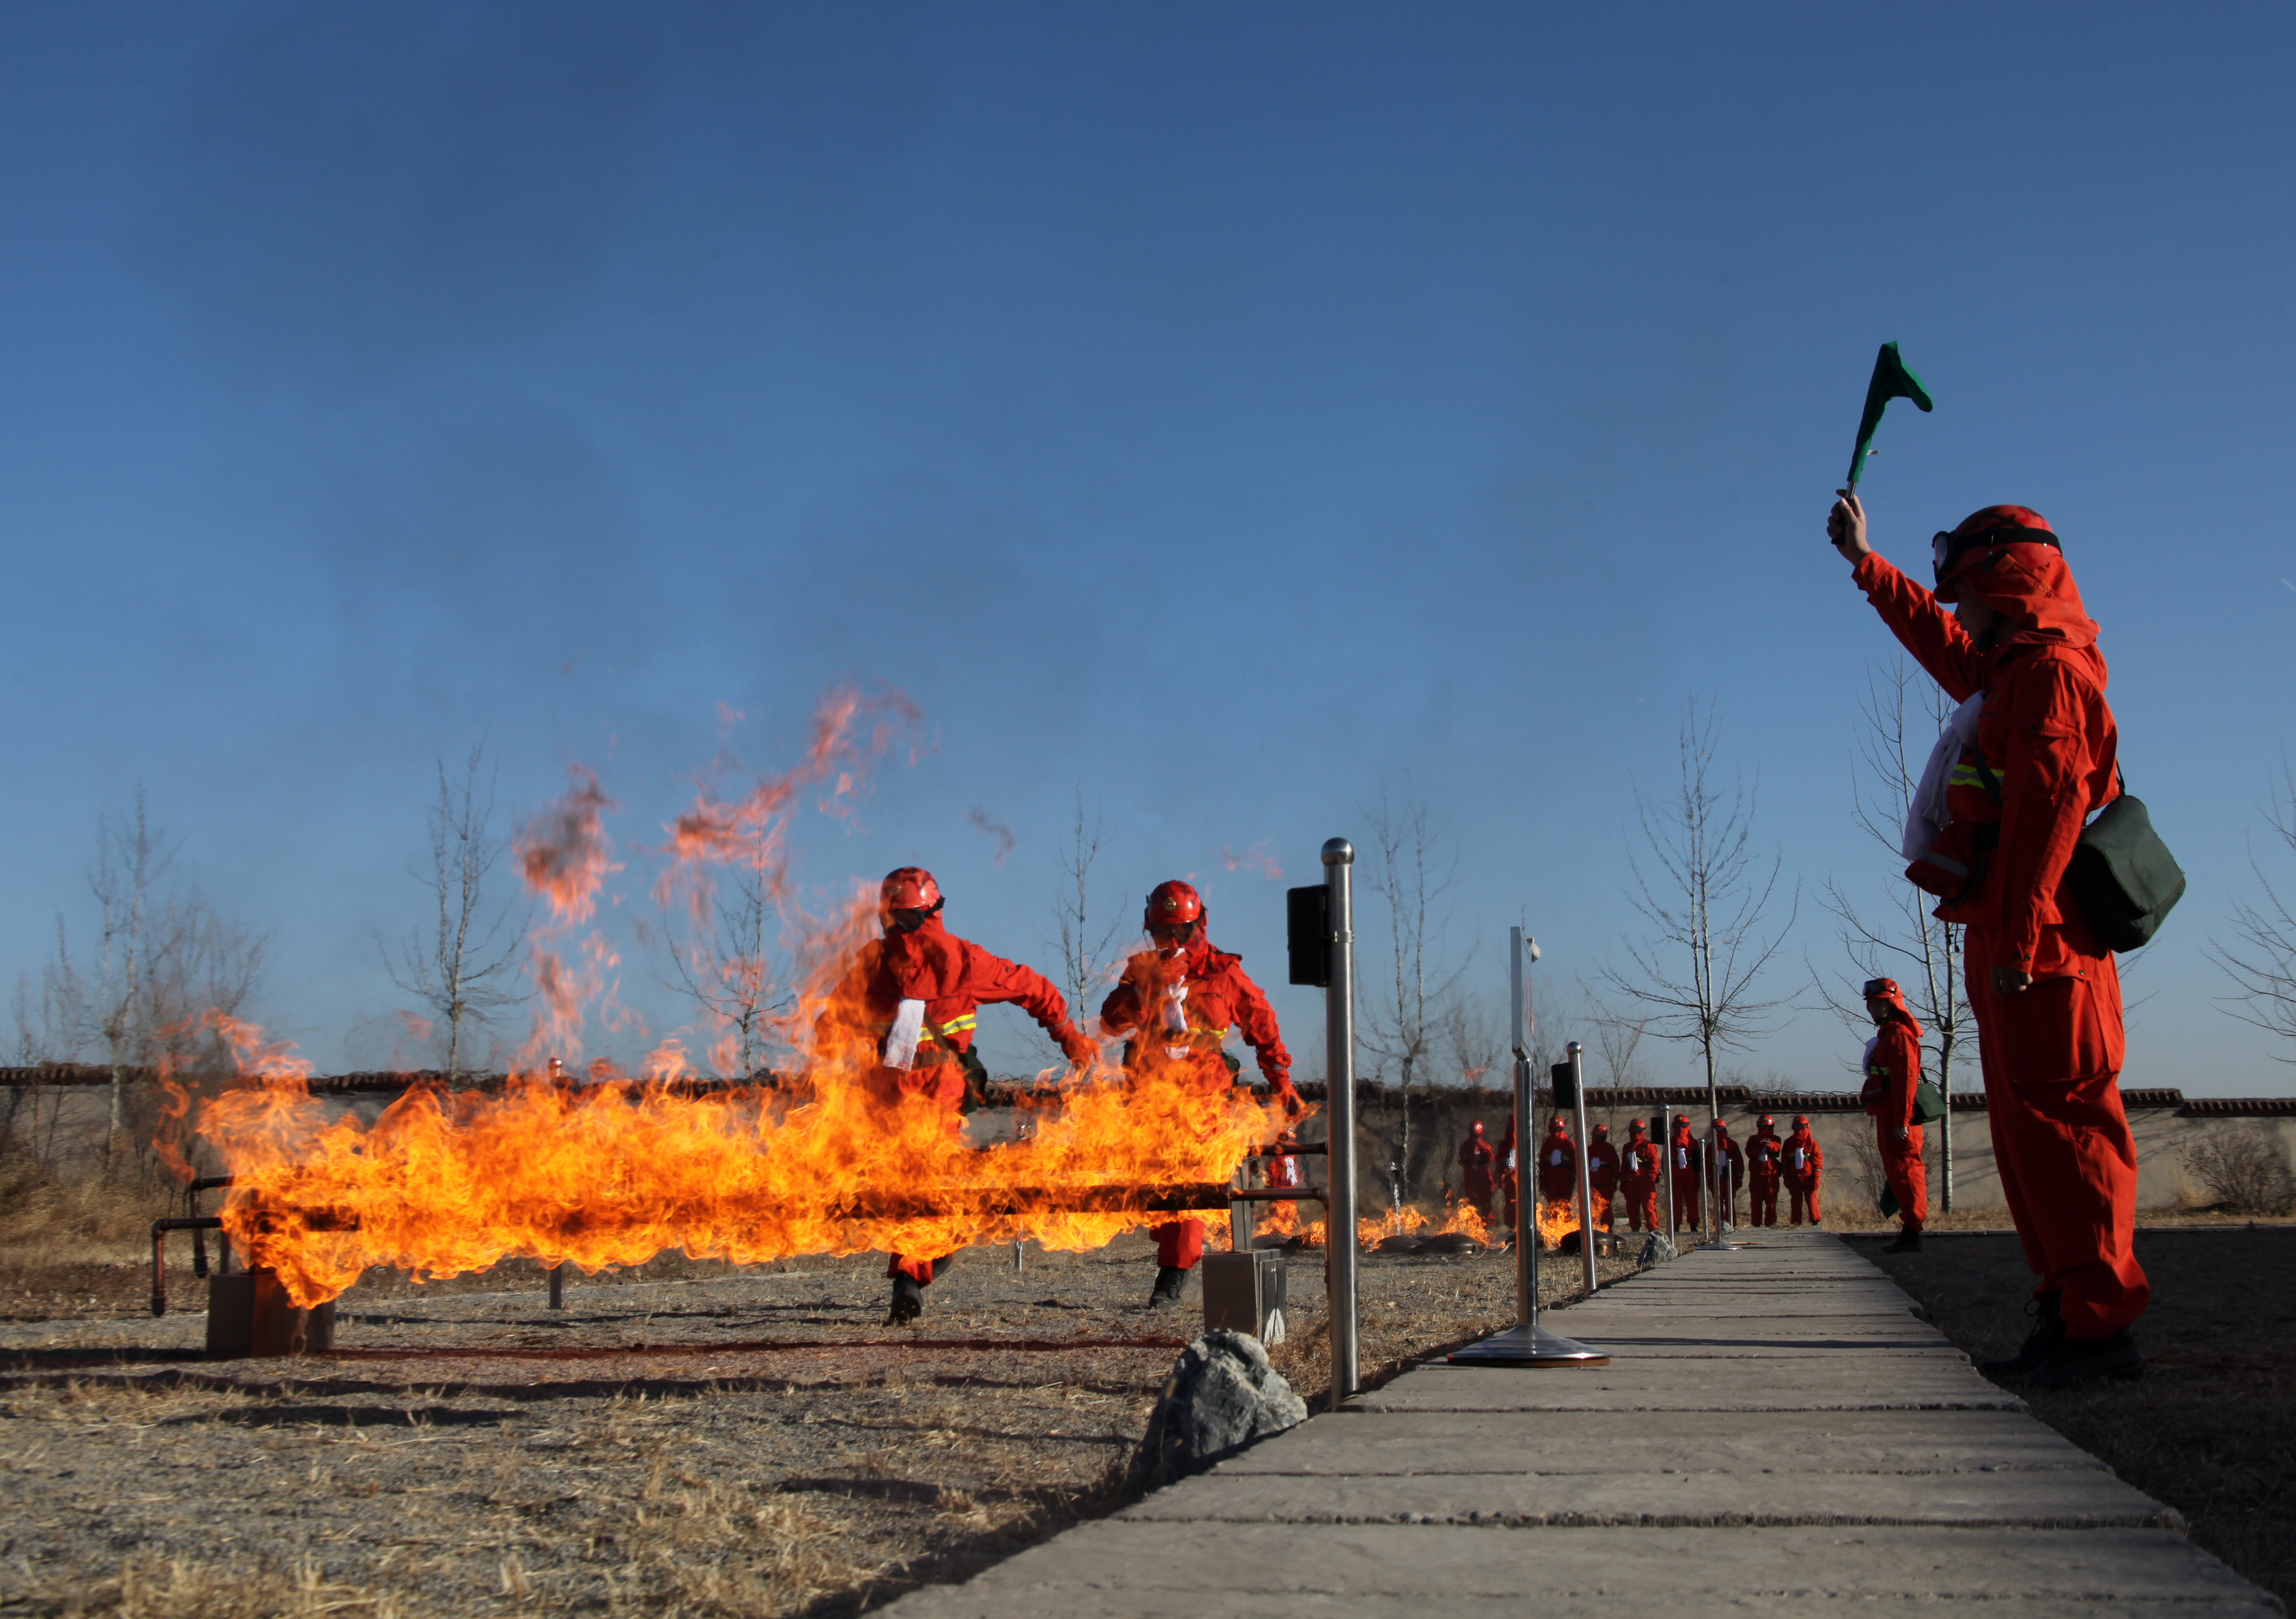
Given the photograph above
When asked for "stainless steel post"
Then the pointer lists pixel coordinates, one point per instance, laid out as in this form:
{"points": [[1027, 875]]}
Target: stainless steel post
{"points": [[1526, 1208], [1664, 1119], [1527, 1343], [1339, 1113], [1586, 1186]]}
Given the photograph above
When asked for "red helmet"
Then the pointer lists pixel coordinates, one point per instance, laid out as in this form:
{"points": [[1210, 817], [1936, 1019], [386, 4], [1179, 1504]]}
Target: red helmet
{"points": [[1476, 1129], [1801, 1121], [1767, 1122], [1173, 904], [1601, 1130], [909, 888], [1554, 1124], [1634, 1127], [1952, 554]]}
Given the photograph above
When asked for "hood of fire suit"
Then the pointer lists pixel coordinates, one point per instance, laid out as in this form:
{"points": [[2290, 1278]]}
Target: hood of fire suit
{"points": [[1196, 962], [1899, 1012], [2031, 586], [928, 964]]}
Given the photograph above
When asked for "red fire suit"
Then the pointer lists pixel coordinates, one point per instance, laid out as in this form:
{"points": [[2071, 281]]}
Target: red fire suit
{"points": [[1686, 1161], [1805, 1168], [1602, 1175], [2052, 1052], [954, 978], [1893, 1068], [1476, 1183], [1558, 1171], [1731, 1172], [1177, 1010], [1638, 1172], [1764, 1159]]}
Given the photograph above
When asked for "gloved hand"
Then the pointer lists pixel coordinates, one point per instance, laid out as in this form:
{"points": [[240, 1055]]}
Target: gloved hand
{"points": [[1292, 1102], [1076, 1045]]}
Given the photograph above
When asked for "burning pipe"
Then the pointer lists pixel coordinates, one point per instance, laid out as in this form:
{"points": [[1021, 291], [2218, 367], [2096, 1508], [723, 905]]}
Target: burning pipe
{"points": [[250, 1312]]}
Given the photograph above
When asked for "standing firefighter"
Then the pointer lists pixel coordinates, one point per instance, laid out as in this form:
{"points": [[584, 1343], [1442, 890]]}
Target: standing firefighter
{"points": [[1686, 1162], [1602, 1175], [1476, 1160], [1174, 1005], [1805, 1168], [1639, 1173], [1766, 1158], [1558, 1174], [904, 1016], [1893, 1068], [2029, 757]]}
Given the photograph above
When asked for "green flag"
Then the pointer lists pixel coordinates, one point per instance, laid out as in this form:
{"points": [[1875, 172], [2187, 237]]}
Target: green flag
{"points": [[1891, 380]]}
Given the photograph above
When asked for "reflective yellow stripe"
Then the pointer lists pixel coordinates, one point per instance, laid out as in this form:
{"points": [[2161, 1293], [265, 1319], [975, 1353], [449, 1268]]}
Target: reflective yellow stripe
{"points": [[968, 1020]]}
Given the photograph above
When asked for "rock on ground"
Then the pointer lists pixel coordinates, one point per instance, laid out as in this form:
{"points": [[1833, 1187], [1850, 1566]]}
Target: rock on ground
{"points": [[1221, 1396]]}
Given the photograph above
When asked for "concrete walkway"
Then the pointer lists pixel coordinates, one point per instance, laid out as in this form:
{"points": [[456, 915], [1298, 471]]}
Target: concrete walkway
{"points": [[1776, 1431]]}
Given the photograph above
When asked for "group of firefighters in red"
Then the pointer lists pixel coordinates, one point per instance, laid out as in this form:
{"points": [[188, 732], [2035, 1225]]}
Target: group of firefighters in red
{"points": [[907, 1012], [1633, 1171], [2028, 759]]}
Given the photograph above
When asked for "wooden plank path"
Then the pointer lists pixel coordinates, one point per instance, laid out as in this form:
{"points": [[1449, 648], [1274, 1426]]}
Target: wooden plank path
{"points": [[1777, 1431]]}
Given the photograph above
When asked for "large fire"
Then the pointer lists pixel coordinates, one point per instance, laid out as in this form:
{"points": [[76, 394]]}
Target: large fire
{"points": [[624, 1167]]}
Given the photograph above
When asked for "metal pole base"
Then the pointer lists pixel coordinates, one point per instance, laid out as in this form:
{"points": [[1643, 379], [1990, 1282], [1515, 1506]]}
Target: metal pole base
{"points": [[1528, 1346]]}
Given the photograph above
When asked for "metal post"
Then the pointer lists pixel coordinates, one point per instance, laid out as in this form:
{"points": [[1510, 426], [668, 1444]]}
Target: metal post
{"points": [[557, 1287], [1586, 1184], [1339, 1112], [1526, 1202], [1527, 1343], [1240, 1219], [1662, 1119]]}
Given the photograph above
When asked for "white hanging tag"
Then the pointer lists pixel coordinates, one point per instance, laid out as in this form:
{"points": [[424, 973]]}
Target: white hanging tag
{"points": [[901, 1040], [1176, 1017]]}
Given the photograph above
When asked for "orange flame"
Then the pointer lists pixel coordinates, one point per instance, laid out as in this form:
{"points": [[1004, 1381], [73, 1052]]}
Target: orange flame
{"points": [[827, 1161], [1557, 1218], [1464, 1222]]}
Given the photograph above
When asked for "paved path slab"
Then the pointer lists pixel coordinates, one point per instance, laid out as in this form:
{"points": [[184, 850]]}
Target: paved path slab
{"points": [[1777, 1431]]}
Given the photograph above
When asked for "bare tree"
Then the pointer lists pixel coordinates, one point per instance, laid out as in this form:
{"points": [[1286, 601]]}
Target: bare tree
{"points": [[1617, 1038], [462, 972], [2261, 959], [1406, 1019], [1475, 1043], [163, 958], [1900, 939], [730, 974], [1705, 902], [1083, 942]]}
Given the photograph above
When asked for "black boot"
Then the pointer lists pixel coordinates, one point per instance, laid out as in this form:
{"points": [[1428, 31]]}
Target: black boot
{"points": [[908, 1300], [1909, 1241], [1169, 1280], [2087, 1359], [2040, 1343]]}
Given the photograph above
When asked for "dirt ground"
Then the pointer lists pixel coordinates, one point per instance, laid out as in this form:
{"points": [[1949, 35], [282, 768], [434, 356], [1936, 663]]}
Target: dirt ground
{"points": [[686, 1439], [2211, 1428]]}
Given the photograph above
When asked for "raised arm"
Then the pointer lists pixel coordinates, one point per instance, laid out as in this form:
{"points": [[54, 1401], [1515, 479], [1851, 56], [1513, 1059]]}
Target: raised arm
{"points": [[1916, 617]]}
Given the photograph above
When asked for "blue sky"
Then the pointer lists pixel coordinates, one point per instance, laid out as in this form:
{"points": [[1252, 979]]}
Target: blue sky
{"points": [[1233, 412]]}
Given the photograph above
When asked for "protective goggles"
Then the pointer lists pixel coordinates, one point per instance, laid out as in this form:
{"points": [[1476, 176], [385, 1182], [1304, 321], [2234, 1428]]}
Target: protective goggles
{"points": [[1946, 548], [1884, 987], [1172, 930]]}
